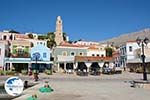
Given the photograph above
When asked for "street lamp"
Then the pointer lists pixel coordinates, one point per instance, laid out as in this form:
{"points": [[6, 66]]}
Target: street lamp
{"points": [[142, 43], [36, 57]]}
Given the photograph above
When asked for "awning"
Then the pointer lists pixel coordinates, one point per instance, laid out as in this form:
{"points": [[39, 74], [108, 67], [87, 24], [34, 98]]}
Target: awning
{"points": [[92, 59], [42, 62], [25, 60], [17, 60]]}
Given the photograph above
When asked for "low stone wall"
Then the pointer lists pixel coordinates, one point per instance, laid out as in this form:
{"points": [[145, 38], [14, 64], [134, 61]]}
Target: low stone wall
{"points": [[141, 84]]}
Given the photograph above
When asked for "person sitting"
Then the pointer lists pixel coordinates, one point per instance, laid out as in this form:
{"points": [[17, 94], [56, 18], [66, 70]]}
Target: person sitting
{"points": [[33, 97], [46, 88]]}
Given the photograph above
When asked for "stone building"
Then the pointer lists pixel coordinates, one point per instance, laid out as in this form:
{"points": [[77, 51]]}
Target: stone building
{"points": [[59, 31]]}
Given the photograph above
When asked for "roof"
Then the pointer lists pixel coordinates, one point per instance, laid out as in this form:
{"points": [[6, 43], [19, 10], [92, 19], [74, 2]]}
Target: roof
{"points": [[92, 59], [132, 41], [93, 48], [71, 45]]}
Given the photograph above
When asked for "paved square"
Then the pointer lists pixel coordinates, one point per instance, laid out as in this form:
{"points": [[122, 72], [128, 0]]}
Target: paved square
{"points": [[104, 87]]}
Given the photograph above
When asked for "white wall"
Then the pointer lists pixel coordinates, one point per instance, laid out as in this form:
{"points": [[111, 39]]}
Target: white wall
{"points": [[129, 54], [96, 52], [36, 42], [2, 54]]}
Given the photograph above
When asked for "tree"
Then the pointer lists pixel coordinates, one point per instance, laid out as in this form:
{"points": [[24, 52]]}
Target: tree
{"points": [[51, 39], [64, 36], [70, 41], [30, 36], [109, 51], [42, 37], [13, 31]]}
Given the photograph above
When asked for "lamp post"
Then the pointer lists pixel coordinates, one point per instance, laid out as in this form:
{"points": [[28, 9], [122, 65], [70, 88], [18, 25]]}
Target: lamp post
{"points": [[142, 43], [36, 57]]}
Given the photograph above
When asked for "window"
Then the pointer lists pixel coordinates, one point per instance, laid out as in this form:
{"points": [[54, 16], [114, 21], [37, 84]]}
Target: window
{"points": [[93, 55], [4, 37], [102, 55], [64, 53], [0, 51], [44, 55], [80, 53], [97, 55], [72, 53], [130, 48]]}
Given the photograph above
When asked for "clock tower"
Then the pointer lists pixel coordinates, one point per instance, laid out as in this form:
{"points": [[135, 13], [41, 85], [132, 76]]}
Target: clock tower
{"points": [[59, 31]]}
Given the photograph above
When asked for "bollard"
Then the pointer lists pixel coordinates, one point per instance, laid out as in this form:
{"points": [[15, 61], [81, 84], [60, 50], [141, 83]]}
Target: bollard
{"points": [[25, 84]]}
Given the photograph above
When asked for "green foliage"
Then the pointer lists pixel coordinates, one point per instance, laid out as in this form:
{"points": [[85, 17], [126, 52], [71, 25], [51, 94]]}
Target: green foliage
{"points": [[42, 37], [48, 72], [2, 72], [30, 36], [51, 39], [24, 72], [26, 49], [14, 51], [109, 51], [13, 31], [9, 72], [64, 36], [70, 42]]}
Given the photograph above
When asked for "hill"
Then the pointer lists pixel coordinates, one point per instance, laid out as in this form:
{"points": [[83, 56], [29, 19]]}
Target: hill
{"points": [[117, 41]]}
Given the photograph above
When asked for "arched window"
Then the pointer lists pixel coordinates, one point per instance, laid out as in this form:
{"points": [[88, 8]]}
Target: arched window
{"points": [[4, 37], [64, 53]]}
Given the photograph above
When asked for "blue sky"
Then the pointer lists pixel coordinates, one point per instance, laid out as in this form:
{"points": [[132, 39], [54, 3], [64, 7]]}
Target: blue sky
{"points": [[94, 20]]}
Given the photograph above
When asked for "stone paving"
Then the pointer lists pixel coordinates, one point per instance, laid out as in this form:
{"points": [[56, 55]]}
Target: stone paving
{"points": [[104, 87]]}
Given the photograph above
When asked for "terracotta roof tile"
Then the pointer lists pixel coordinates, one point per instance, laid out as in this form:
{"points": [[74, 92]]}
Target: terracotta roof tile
{"points": [[93, 48], [91, 58], [71, 45]]}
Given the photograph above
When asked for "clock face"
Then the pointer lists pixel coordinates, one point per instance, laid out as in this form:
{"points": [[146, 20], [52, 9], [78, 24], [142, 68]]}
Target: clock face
{"points": [[36, 56]]}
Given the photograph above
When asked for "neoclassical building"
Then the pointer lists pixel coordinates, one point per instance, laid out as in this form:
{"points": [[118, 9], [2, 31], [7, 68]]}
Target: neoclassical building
{"points": [[64, 56], [72, 56], [17, 50]]}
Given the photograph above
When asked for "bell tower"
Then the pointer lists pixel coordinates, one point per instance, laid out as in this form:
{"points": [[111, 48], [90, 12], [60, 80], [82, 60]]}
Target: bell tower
{"points": [[59, 31]]}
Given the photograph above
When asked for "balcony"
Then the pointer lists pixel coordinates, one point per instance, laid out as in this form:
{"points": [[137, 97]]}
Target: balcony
{"points": [[17, 55]]}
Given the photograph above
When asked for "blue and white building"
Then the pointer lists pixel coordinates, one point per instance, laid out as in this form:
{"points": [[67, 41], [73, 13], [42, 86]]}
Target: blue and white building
{"points": [[40, 57]]}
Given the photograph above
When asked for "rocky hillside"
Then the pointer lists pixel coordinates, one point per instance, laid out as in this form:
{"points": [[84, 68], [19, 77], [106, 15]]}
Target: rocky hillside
{"points": [[128, 37]]}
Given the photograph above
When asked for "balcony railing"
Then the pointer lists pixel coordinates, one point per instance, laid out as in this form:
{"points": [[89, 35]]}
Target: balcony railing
{"points": [[25, 55]]}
